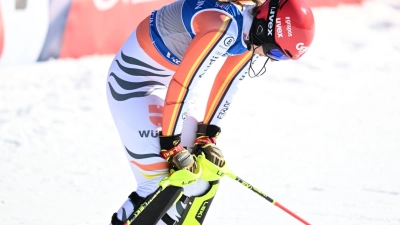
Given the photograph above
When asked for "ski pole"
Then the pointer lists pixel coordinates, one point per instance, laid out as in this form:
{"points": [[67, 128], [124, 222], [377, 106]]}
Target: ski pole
{"points": [[142, 207], [179, 178], [231, 175], [216, 172]]}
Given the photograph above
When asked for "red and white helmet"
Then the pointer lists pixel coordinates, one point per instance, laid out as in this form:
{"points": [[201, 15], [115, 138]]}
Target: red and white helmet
{"points": [[284, 28]]}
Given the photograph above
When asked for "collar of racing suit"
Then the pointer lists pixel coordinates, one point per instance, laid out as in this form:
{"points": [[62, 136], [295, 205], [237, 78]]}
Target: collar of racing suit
{"points": [[247, 20]]}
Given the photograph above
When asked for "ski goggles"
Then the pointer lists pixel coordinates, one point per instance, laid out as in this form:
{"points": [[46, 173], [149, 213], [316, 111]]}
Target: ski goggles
{"points": [[274, 52]]}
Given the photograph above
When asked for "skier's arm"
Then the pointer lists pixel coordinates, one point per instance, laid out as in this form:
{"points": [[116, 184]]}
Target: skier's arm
{"points": [[232, 72], [211, 41]]}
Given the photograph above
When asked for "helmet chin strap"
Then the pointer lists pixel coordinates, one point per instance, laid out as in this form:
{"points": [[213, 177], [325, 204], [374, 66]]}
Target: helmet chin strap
{"points": [[251, 48], [259, 35]]}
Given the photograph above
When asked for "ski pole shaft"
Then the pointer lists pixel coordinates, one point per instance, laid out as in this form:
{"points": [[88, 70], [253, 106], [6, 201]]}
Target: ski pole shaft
{"points": [[142, 207], [179, 178], [255, 190]]}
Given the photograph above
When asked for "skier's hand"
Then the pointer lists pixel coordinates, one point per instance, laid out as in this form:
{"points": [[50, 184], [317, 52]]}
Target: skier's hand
{"points": [[206, 143], [182, 160], [176, 155], [211, 151]]}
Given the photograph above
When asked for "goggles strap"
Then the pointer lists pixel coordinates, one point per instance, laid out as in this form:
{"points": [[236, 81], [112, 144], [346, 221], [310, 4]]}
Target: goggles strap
{"points": [[271, 20]]}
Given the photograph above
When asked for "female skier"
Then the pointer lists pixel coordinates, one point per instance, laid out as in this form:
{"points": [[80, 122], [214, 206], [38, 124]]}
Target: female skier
{"points": [[152, 83]]}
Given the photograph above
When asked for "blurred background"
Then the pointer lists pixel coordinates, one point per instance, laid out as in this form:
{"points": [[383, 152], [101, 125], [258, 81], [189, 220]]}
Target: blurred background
{"points": [[320, 135], [37, 30]]}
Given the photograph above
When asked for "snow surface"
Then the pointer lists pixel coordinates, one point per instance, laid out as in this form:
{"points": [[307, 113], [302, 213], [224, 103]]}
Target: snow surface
{"points": [[320, 135]]}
